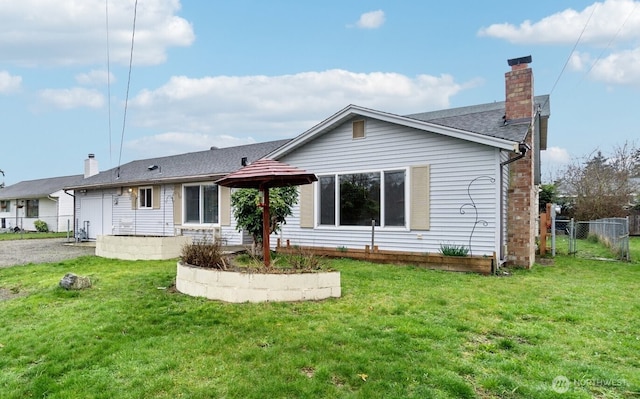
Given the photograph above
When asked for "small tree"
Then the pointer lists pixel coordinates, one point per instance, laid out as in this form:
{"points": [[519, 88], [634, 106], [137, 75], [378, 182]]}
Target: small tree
{"points": [[248, 213], [600, 186]]}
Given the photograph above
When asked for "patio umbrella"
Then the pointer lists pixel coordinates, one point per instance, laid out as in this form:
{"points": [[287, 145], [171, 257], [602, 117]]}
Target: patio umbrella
{"points": [[264, 174]]}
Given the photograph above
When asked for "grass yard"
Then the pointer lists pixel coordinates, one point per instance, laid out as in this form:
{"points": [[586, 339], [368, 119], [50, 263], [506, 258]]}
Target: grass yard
{"points": [[397, 332], [32, 235]]}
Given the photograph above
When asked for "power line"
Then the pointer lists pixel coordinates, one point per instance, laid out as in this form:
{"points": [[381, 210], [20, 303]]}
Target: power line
{"points": [[126, 100], [108, 80], [635, 5]]}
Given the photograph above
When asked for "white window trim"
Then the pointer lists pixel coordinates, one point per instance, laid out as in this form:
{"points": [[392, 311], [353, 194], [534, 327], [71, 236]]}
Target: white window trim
{"points": [[338, 226], [201, 203], [141, 206]]}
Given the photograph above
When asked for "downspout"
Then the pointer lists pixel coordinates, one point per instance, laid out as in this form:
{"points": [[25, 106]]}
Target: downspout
{"points": [[523, 148], [74, 208]]}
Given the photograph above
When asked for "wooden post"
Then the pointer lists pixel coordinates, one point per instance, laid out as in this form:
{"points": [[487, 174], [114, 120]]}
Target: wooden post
{"points": [[266, 251]]}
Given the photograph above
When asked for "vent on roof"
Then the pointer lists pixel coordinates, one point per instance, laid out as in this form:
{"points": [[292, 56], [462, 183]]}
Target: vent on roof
{"points": [[243, 161], [213, 147]]}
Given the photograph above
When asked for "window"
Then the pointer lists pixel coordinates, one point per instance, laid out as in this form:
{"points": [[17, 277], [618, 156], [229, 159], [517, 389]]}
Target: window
{"points": [[5, 206], [32, 208], [146, 197], [361, 197], [358, 129], [201, 204]]}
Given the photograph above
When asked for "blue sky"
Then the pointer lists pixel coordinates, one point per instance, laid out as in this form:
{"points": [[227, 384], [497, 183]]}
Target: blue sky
{"points": [[221, 73]]}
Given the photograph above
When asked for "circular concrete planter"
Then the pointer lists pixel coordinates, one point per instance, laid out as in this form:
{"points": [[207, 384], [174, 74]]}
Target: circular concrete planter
{"points": [[238, 287]]}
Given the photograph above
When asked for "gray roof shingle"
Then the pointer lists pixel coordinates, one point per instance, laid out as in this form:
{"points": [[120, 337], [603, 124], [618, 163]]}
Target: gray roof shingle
{"points": [[201, 165], [486, 119], [38, 188]]}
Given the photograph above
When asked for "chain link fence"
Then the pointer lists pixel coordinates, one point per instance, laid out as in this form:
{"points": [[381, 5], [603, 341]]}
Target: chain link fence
{"points": [[602, 238]]}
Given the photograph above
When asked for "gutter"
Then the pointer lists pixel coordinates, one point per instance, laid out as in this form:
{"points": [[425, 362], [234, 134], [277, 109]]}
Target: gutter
{"points": [[522, 148]]}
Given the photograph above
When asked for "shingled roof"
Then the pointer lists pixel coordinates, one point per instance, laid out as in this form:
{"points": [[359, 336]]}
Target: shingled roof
{"points": [[193, 166], [38, 188], [485, 119]]}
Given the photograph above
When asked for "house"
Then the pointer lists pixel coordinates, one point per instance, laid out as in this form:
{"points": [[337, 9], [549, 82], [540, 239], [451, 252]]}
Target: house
{"points": [[466, 176], [165, 196], [23, 203]]}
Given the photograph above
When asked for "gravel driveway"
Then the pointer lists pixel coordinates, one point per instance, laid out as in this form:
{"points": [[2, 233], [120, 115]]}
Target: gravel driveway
{"points": [[21, 252]]}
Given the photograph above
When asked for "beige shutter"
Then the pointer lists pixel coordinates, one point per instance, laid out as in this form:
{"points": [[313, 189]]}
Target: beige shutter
{"points": [[177, 204], [420, 198], [306, 206], [225, 206], [134, 198], [155, 193]]}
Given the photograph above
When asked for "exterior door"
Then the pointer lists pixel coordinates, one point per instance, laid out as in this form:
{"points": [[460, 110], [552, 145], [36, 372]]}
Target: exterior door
{"points": [[96, 215]]}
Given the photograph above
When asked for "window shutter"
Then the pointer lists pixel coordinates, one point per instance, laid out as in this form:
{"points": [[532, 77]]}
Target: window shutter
{"points": [[225, 206], [420, 198], [134, 198], [155, 192], [177, 204], [306, 206]]}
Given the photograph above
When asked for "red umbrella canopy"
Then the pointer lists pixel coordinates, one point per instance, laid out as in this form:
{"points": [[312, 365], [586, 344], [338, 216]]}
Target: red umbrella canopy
{"points": [[267, 173]]}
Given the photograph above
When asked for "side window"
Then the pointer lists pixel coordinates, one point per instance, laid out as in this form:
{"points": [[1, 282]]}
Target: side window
{"points": [[146, 197]]}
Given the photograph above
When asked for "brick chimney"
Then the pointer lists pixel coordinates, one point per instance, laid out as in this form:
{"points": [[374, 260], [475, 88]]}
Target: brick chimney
{"points": [[519, 90], [90, 166], [522, 207]]}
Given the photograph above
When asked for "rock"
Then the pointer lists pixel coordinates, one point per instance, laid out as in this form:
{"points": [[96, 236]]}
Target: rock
{"points": [[71, 281]]}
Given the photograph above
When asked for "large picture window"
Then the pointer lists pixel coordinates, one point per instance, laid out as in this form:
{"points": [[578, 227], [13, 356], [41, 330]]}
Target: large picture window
{"points": [[201, 204], [357, 198]]}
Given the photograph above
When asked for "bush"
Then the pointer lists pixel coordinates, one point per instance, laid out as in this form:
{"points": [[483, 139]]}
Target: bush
{"points": [[205, 253], [453, 250], [41, 226]]}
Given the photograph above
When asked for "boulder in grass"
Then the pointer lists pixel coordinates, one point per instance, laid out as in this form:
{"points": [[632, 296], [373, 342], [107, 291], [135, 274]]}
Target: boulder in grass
{"points": [[71, 281]]}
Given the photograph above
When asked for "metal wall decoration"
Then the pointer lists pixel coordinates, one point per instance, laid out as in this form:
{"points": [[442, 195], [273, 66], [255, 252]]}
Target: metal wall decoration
{"points": [[472, 204]]}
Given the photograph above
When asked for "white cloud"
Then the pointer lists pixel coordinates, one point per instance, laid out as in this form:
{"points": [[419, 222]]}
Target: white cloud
{"points": [[608, 45], [282, 106], [72, 98], [69, 32], [172, 143], [604, 21], [371, 20], [96, 78], [553, 161], [9, 83], [622, 68]]}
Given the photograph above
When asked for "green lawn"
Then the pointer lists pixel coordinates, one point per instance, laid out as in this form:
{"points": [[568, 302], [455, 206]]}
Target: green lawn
{"points": [[397, 332], [31, 235]]}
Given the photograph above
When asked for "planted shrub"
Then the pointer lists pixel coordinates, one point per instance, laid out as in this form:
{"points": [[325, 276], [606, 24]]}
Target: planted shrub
{"points": [[453, 250], [41, 226], [205, 253]]}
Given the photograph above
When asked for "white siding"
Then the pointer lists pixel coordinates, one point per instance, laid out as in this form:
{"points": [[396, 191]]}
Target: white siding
{"points": [[65, 211], [454, 164], [130, 220]]}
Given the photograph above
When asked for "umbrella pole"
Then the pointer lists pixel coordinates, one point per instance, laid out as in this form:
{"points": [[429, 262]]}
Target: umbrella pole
{"points": [[266, 227]]}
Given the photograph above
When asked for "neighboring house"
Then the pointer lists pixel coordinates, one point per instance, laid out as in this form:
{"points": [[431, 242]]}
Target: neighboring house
{"points": [[466, 176], [23, 203], [165, 196]]}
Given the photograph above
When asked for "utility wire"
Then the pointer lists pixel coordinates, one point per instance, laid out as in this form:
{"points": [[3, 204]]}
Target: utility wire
{"points": [[584, 28], [635, 5], [126, 100], [108, 80]]}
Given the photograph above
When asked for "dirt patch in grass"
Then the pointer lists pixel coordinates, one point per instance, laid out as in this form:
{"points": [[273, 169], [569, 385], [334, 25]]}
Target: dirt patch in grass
{"points": [[6, 294]]}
